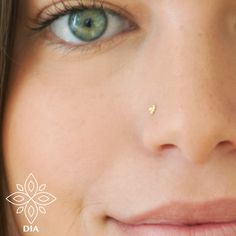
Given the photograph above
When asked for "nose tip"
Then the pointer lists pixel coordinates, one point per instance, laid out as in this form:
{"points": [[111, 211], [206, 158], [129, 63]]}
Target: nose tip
{"points": [[196, 138]]}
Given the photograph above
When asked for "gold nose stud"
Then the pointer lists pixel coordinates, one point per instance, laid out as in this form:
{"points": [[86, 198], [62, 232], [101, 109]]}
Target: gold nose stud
{"points": [[152, 109]]}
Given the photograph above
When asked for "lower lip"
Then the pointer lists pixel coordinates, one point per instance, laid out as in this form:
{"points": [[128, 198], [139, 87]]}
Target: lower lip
{"points": [[219, 229]]}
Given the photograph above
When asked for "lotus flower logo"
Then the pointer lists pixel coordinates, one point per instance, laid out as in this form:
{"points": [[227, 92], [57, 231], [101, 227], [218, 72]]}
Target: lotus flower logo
{"points": [[31, 198]]}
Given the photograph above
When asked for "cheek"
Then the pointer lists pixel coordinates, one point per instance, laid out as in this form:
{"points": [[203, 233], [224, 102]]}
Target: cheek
{"points": [[55, 130]]}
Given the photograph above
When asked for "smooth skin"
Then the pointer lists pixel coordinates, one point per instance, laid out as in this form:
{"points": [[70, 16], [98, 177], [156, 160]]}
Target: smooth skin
{"points": [[79, 121]]}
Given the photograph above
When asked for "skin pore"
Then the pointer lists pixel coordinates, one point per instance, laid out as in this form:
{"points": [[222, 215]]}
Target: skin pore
{"points": [[78, 117]]}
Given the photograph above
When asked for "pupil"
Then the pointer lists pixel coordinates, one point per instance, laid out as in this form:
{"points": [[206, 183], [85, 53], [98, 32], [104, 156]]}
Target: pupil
{"points": [[88, 22]]}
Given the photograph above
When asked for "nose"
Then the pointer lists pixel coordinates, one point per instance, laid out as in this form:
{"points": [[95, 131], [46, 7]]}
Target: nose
{"points": [[194, 89]]}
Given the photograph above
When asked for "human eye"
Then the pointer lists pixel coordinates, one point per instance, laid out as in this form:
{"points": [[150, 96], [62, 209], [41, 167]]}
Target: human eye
{"points": [[81, 23]]}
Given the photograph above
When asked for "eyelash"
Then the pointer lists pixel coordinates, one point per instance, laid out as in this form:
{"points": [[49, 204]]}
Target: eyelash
{"points": [[47, 17], [45, 21]]}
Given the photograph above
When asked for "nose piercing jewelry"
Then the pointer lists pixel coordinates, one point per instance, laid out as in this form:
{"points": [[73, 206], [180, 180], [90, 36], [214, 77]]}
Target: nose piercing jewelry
{"points": [[152, 109]]}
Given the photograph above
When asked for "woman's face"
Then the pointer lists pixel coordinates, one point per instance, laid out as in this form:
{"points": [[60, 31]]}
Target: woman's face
{"points": [[77, 113]]}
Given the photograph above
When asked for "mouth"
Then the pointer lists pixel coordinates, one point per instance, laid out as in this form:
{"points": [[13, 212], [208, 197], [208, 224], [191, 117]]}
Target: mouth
{"points": [[215, 218]]}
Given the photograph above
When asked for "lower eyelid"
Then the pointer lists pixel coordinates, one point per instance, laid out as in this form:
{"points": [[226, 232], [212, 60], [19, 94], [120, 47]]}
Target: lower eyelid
{"points": [[96, 47]]}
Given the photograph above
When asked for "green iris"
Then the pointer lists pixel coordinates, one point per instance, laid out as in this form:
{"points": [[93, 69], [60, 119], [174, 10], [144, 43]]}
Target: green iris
{"points": [[88, 24]]}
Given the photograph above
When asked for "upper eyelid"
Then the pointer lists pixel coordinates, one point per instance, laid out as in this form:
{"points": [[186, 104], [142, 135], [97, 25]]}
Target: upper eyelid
{"points": [[60, 8]]}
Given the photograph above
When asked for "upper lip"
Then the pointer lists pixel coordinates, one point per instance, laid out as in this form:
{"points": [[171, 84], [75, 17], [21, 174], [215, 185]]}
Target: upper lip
{"points": [[182, 213]]}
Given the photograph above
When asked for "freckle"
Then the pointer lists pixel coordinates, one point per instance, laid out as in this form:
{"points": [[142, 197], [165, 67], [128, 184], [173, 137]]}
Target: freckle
{"points": [[181, 27], [199, 34]]}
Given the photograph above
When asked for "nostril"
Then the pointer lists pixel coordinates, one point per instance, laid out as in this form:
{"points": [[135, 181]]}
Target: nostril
{"points": [[165, 147], [227, 146]]}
